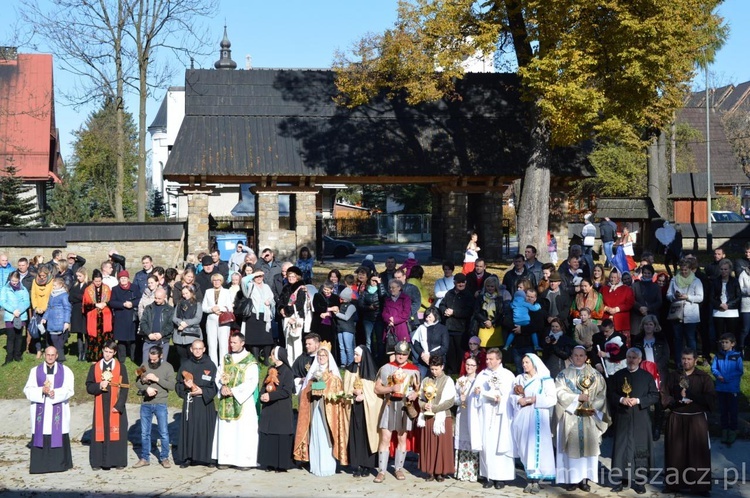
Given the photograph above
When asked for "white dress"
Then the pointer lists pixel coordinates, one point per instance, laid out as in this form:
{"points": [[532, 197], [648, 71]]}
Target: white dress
{"points": [[532, 433]]}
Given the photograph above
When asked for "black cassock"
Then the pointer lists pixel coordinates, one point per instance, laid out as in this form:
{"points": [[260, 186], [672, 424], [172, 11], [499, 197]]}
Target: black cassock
{"points": [[107, 454], [633, 446], [198, 412], [276, 424]]}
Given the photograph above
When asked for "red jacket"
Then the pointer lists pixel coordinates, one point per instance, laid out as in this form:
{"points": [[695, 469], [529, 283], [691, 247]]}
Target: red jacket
{"points": [[622, 298]]}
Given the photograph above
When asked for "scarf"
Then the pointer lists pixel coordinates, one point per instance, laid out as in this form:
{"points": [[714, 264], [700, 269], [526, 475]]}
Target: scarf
{"points": [[684, 282], [41, 378], [57, 292], [587, 301], [448, 393], [15, 287], [126, 286], [488, 304], [114, 415]]}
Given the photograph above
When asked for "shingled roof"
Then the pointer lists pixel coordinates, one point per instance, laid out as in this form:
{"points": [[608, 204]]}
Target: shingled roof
{"points": [[725, 168], [284, 122]]}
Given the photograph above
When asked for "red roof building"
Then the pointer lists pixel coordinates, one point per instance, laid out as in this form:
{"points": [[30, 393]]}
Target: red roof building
{"points": [[28, 133]]}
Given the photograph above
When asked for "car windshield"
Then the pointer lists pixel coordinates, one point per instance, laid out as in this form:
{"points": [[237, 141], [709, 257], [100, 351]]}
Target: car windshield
{"points": [[726, 216]]}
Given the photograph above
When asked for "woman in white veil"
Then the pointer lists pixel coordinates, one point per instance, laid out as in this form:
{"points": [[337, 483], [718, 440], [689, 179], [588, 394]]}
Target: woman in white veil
{"points": [[531, 404], [322, 428]]}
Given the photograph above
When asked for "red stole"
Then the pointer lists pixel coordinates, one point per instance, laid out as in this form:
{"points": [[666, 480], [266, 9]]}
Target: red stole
{"points": [[89, 298], [114, 416]]}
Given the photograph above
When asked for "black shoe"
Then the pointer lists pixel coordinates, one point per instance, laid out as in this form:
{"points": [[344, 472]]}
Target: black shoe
{"points": [[499, 484], [570, 487], [185, 464], [487, 484], [584, 486], [618, 488], [639, 488]]}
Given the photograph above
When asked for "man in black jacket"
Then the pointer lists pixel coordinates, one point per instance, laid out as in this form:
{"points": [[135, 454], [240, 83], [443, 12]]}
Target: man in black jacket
{"points": [[156, 324], [556, 302], [457, 307], [475, 279]]}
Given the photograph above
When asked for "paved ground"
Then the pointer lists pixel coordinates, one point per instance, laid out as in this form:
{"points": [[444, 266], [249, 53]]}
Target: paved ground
{"points": [[200, 481]]}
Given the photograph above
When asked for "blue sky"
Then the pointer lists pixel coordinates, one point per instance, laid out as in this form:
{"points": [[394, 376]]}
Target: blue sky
{"points": [[301, 33]]}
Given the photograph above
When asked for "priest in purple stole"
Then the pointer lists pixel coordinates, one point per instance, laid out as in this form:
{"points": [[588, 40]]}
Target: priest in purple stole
{"points": [[49, 389]]}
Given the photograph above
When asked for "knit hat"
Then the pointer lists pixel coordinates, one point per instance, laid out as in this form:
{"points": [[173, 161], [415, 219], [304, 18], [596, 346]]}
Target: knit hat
{"points": [[123, 273]]}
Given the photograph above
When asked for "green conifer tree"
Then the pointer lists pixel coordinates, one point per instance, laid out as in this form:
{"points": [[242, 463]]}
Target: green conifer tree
{"points": [[16, 209]]}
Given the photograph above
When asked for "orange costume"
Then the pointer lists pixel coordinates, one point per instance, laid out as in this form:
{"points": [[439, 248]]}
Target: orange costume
{"points": [[98, 322]]}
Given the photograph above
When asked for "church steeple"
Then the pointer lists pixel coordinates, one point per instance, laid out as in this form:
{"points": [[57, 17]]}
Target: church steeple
{"points": [[225, 60]]}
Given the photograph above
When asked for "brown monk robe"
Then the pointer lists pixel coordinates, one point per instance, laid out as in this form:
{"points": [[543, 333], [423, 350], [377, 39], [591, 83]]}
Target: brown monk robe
{"points": [[687, 455]]}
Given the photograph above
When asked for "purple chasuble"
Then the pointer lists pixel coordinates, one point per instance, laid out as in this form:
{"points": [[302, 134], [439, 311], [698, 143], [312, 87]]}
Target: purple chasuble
{"points": [[41, 377]]}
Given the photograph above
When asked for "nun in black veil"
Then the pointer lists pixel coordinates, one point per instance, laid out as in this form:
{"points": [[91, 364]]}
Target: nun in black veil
{"points": [[276, 424], [359, 382]]}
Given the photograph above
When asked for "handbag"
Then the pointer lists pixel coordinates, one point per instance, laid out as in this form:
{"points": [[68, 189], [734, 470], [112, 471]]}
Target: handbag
{"points": [[244, 308], [390, 340], [33, 328], [676, 311], [293, 326], [226, 318]]}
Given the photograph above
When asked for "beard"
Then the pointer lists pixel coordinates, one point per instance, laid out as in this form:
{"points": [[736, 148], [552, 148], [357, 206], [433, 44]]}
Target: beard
{"points": [[154, 365]]}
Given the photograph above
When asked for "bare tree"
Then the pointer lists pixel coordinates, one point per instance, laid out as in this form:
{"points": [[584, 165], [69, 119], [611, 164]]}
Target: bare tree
{"points": [[156, 25], [88, 37], [111, 46]]}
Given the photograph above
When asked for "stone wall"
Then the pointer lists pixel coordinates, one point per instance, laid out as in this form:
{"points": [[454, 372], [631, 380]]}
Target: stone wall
{"points": [[164, 242], [166, 253]]}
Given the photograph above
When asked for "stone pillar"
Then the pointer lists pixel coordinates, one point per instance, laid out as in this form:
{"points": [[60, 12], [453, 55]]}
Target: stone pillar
{"points": [[267, 214], [305, 217], [197, 218], [491, 224], [453, 207]]}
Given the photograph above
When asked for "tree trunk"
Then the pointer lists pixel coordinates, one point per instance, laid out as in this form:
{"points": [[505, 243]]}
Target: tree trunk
{"points": [[533, 208]]}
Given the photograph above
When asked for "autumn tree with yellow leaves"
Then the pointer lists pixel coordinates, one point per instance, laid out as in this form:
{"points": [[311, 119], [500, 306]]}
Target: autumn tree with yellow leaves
{"points": [[613, 70]]}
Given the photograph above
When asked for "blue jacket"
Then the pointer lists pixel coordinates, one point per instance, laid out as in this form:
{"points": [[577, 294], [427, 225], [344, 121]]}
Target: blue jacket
{"points": [[58, 312], [727, 364], [11, 300], [5, 273]]}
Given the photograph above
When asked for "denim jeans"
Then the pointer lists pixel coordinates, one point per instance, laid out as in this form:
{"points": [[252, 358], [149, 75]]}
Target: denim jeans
{"points": [[684, 334], [728, 408], [744, 331], [374, 339], [162, 421], [608, 252], [346, 348]]}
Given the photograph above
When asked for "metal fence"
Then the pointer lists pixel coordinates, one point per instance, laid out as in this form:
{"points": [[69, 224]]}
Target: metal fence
{"points": [[394, 228]]}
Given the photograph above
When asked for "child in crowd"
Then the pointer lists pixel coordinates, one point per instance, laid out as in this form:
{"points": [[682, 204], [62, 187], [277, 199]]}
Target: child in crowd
{"points": [[477, 352], [727, 368], [346, 324], [552, 249], [521, 317], [557, 348], [305, 263], [585, 329]]}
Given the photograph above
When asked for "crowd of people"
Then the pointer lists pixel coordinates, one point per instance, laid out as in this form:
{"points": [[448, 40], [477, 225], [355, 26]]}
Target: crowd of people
{"points": [[383, 366]]}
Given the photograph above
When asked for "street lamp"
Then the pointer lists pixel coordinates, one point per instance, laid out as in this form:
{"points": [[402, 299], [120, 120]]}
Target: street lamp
{"points": [[709, 228]]}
